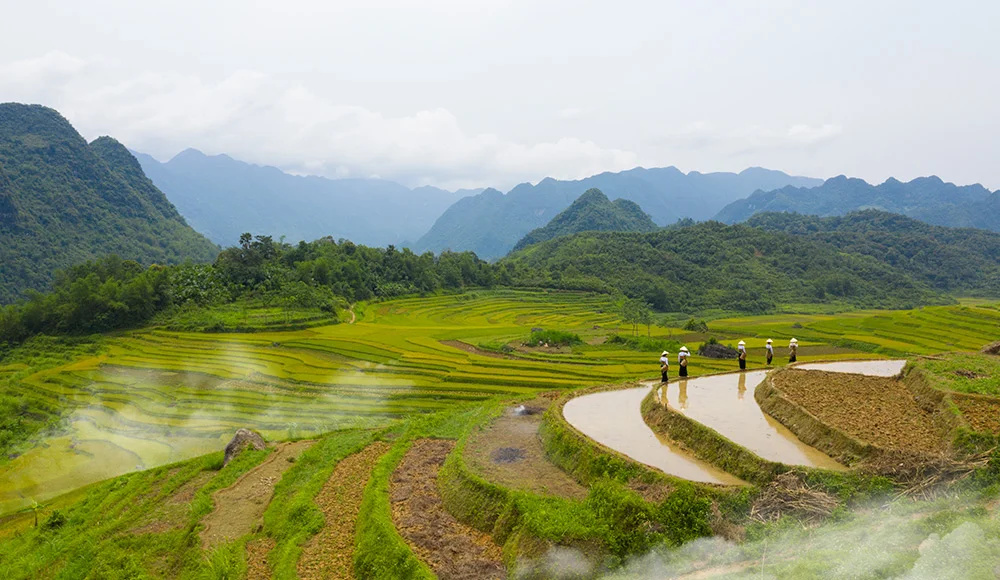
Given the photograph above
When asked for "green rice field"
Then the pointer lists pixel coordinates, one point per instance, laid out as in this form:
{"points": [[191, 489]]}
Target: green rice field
{"points": [[153, 397]]}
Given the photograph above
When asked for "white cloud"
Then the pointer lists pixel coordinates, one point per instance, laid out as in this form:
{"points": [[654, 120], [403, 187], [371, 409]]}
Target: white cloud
{"points": [[809, 135], [257, 118]]}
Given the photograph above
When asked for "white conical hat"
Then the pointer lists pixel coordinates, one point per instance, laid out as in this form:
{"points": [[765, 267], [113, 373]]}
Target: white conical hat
{"points": [[684, 349], [741, 343], [665, 353], [793, 341]]}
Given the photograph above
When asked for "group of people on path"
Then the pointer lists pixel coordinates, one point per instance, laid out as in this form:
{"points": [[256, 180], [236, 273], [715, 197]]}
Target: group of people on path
{"points": [[741, 355]]}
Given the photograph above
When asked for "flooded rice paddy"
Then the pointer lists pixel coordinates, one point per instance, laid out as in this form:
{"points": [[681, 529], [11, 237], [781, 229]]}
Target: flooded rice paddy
{"points": [[613, 419], [723, 402]]}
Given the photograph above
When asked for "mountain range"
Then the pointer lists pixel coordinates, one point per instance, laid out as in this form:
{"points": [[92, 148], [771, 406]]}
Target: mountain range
{"points": [[223, 198], [592, 211], [491, 223], [64, 201], [928, 199]]}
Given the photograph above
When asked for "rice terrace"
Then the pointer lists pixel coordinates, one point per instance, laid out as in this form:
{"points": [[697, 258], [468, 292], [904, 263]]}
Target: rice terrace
{"points": [[515, 477]]}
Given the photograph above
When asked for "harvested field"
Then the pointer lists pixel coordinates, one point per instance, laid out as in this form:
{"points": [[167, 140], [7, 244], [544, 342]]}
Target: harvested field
{"points": [[257, 551], [509, 452], [240, 507], [983, 414], [451, 549], [876, 410], [330, 554]]}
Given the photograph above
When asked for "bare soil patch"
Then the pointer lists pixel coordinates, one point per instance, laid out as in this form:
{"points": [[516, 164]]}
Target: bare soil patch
{"points": [[983, 414], [509, 452], [171, 513], [330, 554], [451, 549], [877, 410], [257, 551], [240, 507]]}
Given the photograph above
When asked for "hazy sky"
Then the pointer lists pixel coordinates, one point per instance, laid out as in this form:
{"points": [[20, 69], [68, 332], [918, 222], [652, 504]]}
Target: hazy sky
{"points": [[464, 93]]}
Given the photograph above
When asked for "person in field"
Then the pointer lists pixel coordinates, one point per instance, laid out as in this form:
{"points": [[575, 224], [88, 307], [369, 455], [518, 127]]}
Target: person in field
{"points": [[770, 351], [793, 347], [682, 362], [664, 366], [741, 354]]}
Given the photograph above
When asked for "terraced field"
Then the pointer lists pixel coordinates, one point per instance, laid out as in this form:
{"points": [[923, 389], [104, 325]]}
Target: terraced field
{"points": [[154, 396]]}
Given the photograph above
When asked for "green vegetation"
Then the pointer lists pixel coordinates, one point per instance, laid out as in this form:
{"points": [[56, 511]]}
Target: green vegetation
{"points": [[592, 211], [710, 265], [554, 338], [63, 202], [948, 259], [963, 373]]}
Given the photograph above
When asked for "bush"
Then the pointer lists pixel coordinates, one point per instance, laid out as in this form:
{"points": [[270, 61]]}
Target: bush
{"points": [[554, 338], [644, 343]]}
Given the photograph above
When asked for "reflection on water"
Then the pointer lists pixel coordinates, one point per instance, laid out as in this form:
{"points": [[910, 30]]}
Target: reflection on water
{"points": [[875, 368], [613, 418], [726, 404]]}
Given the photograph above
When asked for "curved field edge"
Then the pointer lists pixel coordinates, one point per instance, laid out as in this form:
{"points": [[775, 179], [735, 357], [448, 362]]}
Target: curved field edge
{"points": [[93, 537]]}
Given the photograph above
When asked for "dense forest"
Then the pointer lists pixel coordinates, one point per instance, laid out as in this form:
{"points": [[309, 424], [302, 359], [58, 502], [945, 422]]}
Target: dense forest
{"points": [[958, 260], [112, 293], [712, 265], [869, 259], [64, 201], [592, 211]]}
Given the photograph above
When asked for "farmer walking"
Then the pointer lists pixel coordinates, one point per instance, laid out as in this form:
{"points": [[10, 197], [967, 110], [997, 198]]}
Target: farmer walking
{"points": [[664, 366], [741, 349], [793, 347], [770, 351], [682, 361]]}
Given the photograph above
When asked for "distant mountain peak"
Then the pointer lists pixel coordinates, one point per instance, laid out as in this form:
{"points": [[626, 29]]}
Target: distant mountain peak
{"points": [[592, 211]]}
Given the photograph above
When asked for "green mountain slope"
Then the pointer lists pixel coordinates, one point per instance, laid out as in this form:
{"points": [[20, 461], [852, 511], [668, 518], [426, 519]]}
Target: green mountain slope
{"points": [[927, 199], [64, 201], [962, 260], [712, 265], [490, 223], [592, 211]]}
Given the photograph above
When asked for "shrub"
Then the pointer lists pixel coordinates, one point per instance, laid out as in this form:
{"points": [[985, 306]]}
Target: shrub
{"points": [[554, 338]]}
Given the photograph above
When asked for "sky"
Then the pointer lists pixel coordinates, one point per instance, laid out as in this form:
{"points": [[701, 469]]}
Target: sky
{"points": [[467, 93]]}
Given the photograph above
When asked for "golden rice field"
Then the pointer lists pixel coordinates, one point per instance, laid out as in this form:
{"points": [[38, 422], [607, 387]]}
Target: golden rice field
{"points": [[154, 397]]}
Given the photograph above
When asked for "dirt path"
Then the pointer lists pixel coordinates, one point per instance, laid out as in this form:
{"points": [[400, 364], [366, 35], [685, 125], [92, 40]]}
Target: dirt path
{"points": [[510, 453], [451, 549], [877, 410], [354, 317], [476, 350], [240, 507], [330, 554]]}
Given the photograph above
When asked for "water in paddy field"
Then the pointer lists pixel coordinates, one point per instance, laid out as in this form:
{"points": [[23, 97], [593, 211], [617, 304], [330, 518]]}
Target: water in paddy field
{"points": [[726, 403], [612, 418], [874, 368]]}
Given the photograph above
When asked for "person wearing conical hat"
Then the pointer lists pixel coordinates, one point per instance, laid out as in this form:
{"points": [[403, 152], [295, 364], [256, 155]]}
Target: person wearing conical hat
{"points": [[664, 366], [770, 351], [682, 361], [793, 347], [741, 354]]}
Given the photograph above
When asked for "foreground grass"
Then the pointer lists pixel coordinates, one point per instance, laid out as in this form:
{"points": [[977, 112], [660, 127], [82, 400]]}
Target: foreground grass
{"points": [[963, 372]]}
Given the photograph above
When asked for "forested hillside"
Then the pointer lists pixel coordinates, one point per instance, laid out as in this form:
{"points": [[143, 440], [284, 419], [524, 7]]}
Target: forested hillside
{"points": [[490, 223], [63, 202], [928, 199], [960, 260], [711, 265], [592, 211], [222, 198]]}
